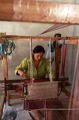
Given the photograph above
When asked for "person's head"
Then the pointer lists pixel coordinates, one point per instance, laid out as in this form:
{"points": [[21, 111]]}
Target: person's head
{"points": [[38, 52], [54, 43], [57, 35]]}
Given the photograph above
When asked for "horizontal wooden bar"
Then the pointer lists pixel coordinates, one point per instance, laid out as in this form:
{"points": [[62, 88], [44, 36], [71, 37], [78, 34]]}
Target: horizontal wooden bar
{"points": [[70, 40], [15, 96], [15, 81], [22, 80], [61, 79], [43, 38], [39, 11]]}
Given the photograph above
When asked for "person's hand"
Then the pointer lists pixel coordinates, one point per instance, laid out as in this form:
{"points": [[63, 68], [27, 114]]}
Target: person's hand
{"points": [[21, 73]]}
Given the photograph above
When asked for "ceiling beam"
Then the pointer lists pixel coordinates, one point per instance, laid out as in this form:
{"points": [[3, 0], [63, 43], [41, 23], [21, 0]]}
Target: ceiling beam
{"points": [[39, 12]]}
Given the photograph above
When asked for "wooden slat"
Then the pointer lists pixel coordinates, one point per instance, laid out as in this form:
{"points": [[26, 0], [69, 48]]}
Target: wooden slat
{"points": [[15, 81], [42, 12], [1, 105], [22, 80], [12, 81], [42, 38], [15, 96], [71, 40]]}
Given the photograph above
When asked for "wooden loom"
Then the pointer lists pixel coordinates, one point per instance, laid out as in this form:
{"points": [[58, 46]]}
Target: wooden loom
{"points": [[41, 16], [71, 40], [57, 59]]}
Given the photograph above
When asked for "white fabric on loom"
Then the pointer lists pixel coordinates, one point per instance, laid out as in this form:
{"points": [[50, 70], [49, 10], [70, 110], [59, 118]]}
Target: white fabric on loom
{"points": [[74, 103]]}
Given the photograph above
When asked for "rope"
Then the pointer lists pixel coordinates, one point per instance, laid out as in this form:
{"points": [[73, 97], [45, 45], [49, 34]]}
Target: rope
{"points": [[54, 27]]}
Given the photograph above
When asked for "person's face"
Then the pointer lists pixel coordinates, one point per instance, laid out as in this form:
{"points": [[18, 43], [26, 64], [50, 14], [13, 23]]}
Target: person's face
{"points": [[38, 56]]}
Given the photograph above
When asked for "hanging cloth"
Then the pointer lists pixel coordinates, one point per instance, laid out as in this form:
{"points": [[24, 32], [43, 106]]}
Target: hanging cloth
{"points": [[50, 49], [63, 52]]}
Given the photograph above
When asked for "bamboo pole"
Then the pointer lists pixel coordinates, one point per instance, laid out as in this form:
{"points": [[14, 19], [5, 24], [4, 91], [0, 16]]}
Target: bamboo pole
{"points": [[44, 38]]}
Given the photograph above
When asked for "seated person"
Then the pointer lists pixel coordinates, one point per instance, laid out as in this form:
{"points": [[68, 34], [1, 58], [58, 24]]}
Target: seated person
{"points": [[41, 65], [41, 68]]}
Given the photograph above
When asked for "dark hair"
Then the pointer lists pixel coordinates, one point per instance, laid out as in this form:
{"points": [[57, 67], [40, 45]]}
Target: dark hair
{"points": [[54, 43], [57, 35], [38, 49]]}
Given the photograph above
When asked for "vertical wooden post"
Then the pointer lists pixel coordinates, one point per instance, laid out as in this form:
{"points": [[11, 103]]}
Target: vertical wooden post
{"points": [[5, 67], [5, 72], [57, 59]]}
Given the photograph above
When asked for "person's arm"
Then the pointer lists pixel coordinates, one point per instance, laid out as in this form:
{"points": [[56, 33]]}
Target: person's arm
{"points": [[22, 68], [48, 70]]}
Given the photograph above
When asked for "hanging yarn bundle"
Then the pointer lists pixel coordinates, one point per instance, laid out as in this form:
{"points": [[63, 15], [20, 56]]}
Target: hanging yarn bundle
{"points": [[8, 47]]}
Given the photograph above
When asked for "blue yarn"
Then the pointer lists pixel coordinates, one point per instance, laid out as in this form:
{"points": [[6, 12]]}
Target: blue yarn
{"points": [[50, 49], [10, 115], [51, 46]]}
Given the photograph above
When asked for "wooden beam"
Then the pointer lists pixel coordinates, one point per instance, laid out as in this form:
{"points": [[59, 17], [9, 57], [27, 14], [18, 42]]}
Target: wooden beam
{"points": [[15, 96], [46, 38], [39, 12], [71, 40], [23, 80]]}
